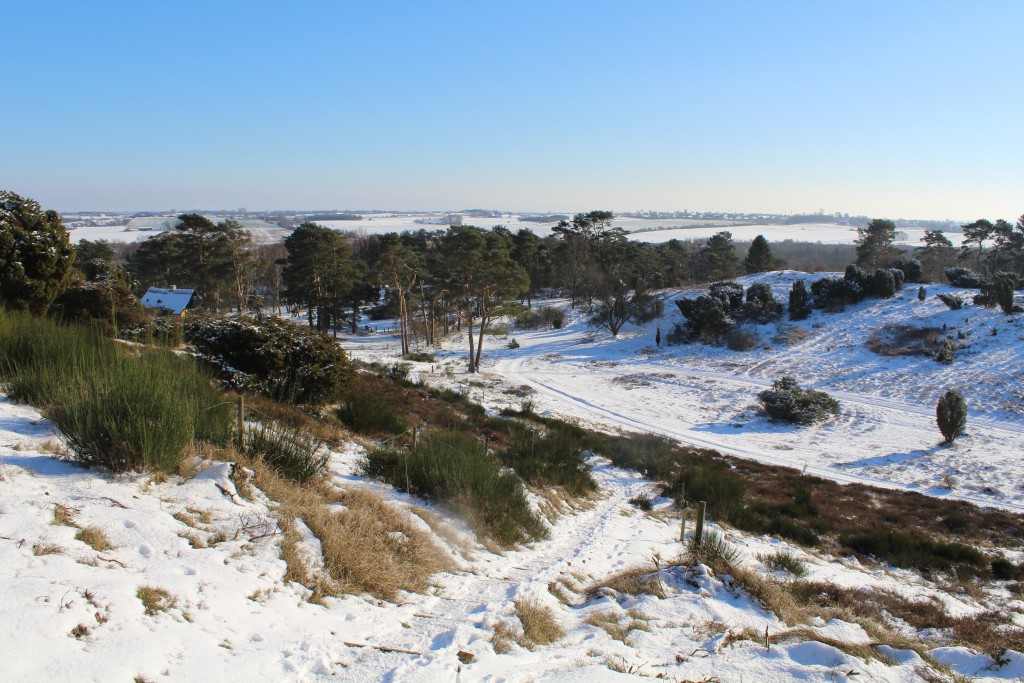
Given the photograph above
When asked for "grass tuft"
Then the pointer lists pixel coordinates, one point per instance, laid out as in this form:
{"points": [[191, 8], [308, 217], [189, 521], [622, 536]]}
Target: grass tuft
{"points": [[288, 451], [156, 600], [783, 561], [539, 624], [63, 516], [95, 538]]}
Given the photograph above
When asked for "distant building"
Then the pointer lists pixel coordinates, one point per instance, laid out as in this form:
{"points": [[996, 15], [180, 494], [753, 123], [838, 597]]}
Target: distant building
{"points": [[172, 301]]}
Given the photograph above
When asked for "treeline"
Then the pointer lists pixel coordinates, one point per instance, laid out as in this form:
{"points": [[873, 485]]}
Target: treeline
{"points": [[432, 282]]}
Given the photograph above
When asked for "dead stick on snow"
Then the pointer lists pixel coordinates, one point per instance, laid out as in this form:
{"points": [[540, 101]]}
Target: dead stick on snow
{"points": [[382, 648]]}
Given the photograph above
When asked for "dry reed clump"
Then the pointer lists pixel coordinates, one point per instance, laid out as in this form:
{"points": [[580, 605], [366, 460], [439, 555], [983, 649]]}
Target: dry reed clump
{"points": [[864, 651], [156, 599], [792, 336], [63, 516], [619, 626], [322, 427], [504, 637], [369, 546], [539, 624], [46, 549], [95, 538], [640, 580], [905, 340]]}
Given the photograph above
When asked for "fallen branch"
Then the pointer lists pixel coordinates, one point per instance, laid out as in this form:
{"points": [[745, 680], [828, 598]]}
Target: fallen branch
{"points": [[110, 559], [227, 493], [383, 648]]}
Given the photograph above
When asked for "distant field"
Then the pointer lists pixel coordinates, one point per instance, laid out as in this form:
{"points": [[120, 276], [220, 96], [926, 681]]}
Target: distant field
{"points": [[643, 230]]}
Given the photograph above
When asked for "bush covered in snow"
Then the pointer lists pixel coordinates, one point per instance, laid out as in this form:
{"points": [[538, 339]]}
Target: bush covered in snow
{"points": [[274, 357], [714, 316], [786, 400], [964, 277]]}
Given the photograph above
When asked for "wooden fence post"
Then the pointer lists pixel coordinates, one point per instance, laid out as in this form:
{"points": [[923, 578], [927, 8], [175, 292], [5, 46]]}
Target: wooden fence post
{"points": [[241, 422], [682, 526], [698, 532]]}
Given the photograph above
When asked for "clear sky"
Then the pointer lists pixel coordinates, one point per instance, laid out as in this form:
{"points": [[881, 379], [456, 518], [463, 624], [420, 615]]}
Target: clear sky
{"points": [[890, 109]]}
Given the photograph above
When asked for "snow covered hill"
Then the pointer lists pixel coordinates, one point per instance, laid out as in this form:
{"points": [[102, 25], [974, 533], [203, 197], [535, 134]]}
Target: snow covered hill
{"points": [[181, 579]]}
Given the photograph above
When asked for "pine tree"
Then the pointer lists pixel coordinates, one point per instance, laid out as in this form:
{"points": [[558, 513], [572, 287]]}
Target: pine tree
{"points": [[35, 254], [875, 244], [759, 257], [718, 258], [319, 272], [951, 415]]}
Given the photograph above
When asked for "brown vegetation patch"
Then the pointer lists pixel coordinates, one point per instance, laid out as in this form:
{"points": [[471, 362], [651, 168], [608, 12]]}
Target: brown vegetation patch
{"points": [[95, 538], [368, 546], [540, 627], [905, 340]]}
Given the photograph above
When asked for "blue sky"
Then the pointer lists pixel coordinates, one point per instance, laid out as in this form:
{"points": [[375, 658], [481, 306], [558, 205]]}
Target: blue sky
{"points": [[894, 109]]}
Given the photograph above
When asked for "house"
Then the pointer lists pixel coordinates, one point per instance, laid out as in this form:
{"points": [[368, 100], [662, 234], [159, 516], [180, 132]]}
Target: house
{"points": [[171, 301]]}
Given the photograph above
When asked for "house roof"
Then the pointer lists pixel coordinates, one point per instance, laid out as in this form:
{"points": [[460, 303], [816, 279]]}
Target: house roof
{"points": [[174, 300]]}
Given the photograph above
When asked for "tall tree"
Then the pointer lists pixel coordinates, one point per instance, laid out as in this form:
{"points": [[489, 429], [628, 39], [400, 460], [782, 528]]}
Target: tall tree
{"points": [[1007, 247], [206, 253], [578, 247], [481, 277], [623, 293], [936, 254], [36, 255], [975, 234], [759, 257], [718, 260], [876, 244], [318, 273], [399, 268]]}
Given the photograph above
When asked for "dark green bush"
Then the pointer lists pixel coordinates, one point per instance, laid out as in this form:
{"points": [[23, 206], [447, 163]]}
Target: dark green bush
{"points": [[951, 415], [1002, 291], [911, 269], [799, 301], [274, 357], [834, 293], [451, 467], [293, 454], [913, 552], [107, 304], [946, 353], [882, 284], [964, 277], [538, 318], [556, 458], [952, 301], [761, 306], [786, 400], [642, 502], [420, 357]]}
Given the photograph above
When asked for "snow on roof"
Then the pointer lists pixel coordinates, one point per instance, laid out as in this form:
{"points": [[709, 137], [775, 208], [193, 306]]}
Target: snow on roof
{"points": [[174, 300]]}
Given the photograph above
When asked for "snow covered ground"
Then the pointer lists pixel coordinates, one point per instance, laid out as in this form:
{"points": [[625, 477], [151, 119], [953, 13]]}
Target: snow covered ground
{"points": [[706, 396], [72, 612]]}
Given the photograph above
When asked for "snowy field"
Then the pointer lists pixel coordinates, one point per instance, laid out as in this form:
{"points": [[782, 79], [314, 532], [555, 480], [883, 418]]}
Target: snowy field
{"points": [[654, 231], [706, 396], [73, 613]]}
